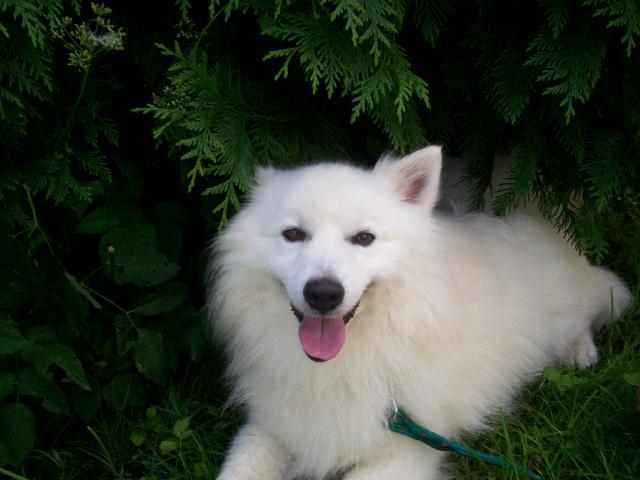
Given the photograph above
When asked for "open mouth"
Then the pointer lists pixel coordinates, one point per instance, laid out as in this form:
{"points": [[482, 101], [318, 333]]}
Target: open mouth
{"points": [[322, 336]]}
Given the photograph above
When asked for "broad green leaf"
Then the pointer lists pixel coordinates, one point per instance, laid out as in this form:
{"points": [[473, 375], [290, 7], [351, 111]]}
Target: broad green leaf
{"points": [[11, 340], [34, 385], [42, 334], [137, 438], [170, 240], [181, 428], [152, 412], [171, 212], [194, 340], [563, 381], [552, 374], [149, 355], [43, 356], [86, 404], [129, 255], [165, 299], [97, 221], [13, 294], [124, 332], [632, 378], [7, 382], [116, 213], [125, 390], [167, 446], [17, 431]]}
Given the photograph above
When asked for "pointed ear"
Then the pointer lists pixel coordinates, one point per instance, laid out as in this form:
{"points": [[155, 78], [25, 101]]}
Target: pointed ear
{"points": [[415, 177]]}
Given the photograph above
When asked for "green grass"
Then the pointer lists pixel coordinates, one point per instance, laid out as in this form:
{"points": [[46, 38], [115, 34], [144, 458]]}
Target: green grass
{"points": [[584, 425], [184, 435]]}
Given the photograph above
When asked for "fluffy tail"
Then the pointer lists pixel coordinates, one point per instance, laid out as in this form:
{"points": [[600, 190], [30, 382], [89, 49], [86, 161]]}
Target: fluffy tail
{"points": [[616, 298]]}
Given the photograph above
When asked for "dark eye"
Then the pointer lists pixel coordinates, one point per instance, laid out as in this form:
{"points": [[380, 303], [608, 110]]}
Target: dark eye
{"points": [[294, 235], [364, 238]]}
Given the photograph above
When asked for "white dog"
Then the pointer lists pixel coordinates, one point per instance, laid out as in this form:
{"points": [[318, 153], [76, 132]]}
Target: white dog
{"points": [[337, 290]]}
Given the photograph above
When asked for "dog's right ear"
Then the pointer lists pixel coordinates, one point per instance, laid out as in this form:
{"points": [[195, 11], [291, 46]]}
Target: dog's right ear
{"points": [[416, 177]]}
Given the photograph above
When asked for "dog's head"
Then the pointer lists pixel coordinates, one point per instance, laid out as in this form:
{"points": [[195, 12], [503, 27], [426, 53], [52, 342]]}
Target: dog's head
{"points": [[328, 231]]}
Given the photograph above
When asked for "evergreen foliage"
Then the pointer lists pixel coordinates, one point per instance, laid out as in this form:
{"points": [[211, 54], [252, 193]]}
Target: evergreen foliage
{"points": [[117, 122]]}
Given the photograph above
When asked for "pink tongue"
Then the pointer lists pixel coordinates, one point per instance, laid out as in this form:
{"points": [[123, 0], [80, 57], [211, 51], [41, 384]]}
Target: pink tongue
{"points": [[322, 337]]}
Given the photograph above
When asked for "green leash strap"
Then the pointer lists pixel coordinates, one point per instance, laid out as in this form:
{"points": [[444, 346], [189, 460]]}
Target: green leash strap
{"points": [[400, 422]]}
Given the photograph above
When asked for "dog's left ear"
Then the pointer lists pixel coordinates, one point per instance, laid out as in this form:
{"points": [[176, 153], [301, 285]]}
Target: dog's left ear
{"points": [[416, 177]]}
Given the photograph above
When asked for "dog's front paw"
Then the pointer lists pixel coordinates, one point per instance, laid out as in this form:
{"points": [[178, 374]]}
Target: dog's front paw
{"points": [[584, 353], [238, 474]]}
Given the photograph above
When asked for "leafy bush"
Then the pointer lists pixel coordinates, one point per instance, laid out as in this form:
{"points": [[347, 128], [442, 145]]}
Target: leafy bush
{"points": [[110, 117]]}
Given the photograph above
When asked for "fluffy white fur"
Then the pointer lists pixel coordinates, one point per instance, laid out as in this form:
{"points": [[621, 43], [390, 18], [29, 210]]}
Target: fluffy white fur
{"points": [[454, 315]]}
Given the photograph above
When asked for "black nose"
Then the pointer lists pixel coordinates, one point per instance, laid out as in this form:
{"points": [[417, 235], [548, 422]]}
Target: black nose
{"points": [[323, 294]]}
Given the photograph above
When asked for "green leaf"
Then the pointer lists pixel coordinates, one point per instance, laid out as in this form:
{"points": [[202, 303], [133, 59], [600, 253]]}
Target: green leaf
{"points": [[137, 438], [13, 294], [17, 431], [632, 378], [552, 374], [97, 221], [165, 299], [125, 390], [563, 381], [124, 333], [86, 404], [171, 212], [200, 470], [621, 13], [11, 340], [194, 340], [149, 355], [152, 412], [7, 382], [118, 211], [181, 428], [43, 356], [32, 384], [42, 334], [129, 255], [170, 240], [167, 446]]}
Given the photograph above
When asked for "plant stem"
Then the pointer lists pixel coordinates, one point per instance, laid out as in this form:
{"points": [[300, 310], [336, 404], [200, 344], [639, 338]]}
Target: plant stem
{"points": [[76, 104], [36, 222], [9, 474], [106, 299]]}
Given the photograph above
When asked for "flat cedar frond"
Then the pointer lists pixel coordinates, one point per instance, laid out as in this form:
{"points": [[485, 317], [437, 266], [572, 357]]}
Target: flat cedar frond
{"points": [[605, 166], [621, 14], [430, 17], [223, 124], [519, 183], [509, 84], [570, 65], [571, 135], [369, 66], [373, 23], [557, 12]]}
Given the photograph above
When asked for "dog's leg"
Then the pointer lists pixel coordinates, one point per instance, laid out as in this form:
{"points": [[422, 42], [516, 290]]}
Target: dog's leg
{"points": [[584, 352], [405, 459], [255, 455]]}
